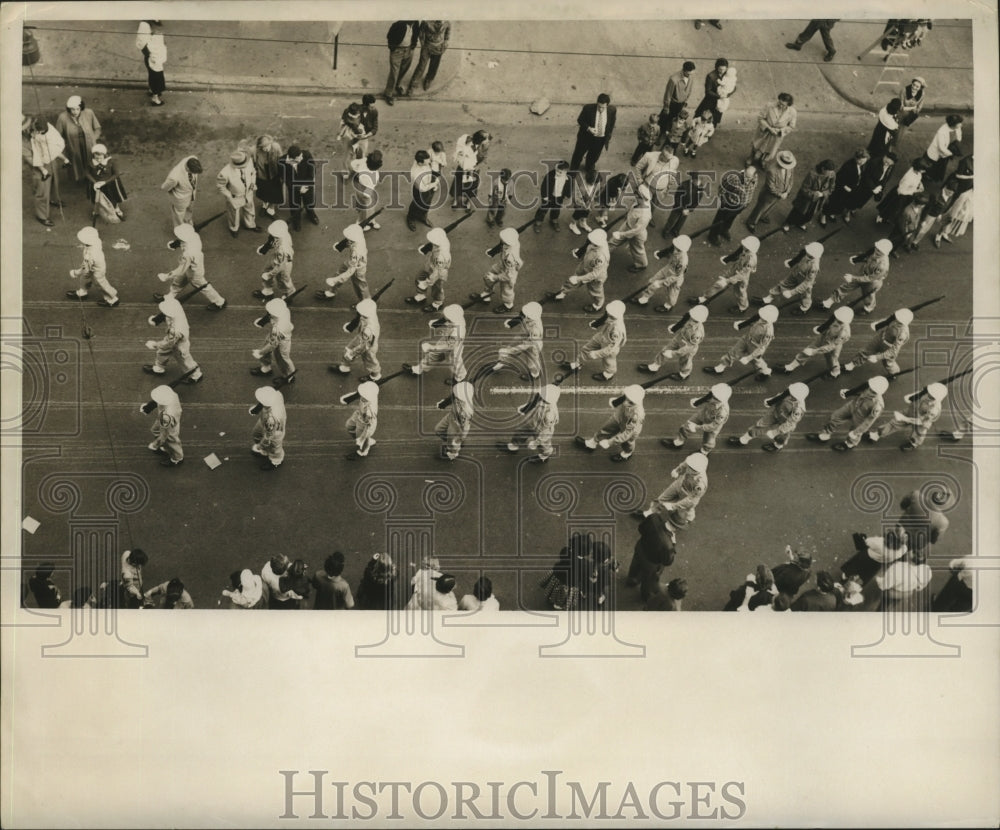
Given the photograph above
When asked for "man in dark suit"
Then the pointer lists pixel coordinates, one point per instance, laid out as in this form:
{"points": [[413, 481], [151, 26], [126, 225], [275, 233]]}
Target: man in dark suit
{"points": [[299, 172], [597, 123], [401, 37], [555, 190]]}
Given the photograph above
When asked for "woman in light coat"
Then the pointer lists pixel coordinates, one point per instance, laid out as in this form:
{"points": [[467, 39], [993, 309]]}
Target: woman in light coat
{"points": [[80, 130]]}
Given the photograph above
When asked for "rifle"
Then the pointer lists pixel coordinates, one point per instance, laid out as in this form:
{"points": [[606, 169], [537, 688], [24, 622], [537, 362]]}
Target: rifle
{"points": [[426, 247], [854, 390], [261, 321], [775, 399], [492, 252], [277, 383], [829, 320], [578, 252], [916, 396], [510, 322], [672, 328], [159, 317], [351, 397], [150, 405], [208, 221], [621, 398], [914, 308], [351, 325], [344, 242], [536, 398]]}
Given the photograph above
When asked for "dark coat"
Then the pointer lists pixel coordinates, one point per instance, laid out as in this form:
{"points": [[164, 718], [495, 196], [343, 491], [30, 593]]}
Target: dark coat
{"points": [[849, 175], [588, 117], [397, 30], [548, 184], [790, 577]]}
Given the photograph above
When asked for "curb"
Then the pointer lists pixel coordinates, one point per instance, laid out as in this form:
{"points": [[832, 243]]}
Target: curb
{"points": [[941, 111]]}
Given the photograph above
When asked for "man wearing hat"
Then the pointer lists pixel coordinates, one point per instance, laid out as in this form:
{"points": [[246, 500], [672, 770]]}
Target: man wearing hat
{"points": [[453, 428], [93, 269], [634, 229], [606, 342], [355, 269], [269, 431], [860, 412], [799, 283], [777, 186], [237, 182], [447, 349], [277, 278], [828, 343], [780, 420], [670, 276], [657, 170], [190, 270], [924, 411], [175, 343], [710, 416], [182, 185], [742, 263], [363, 421], [536, 432], [434, 275], [676, 505], [166, 428], [592, 271], [752, 345], [623, 427], [886, 344], [504, 271], [42, 147], [776, 121], [684, 345], [530, 347], [277, 348], [870, 280], [365, 342]]}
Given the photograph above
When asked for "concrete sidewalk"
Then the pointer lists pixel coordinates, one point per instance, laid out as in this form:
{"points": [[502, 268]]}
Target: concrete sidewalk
{"points": [[566, 63]]}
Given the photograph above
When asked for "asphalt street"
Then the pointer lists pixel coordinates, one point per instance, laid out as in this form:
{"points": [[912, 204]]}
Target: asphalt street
{"points": [[487, 512]]}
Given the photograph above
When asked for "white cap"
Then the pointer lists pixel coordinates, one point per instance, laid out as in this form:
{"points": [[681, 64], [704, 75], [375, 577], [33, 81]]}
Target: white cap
{"points": [[751, 243], [815, 249], [878, 384], [550, 393], [99, 149], [170, 306], [266, 395], [904, 315], [369, 391], [163, 395], [799, 391], [278, 228], [598, 236], [275, 307], [464, 391], [697, 461], [938, 391], [88, 235], [682, 242], [768, 313], [532, 310], [884, 245], [643, 192], [354, 233], [185, 232], [454, 313], [635, 393], [509, 235], [366, 308], [615, 309], [845, 314], [722, 392], [699, 313], [74, 101], [437, 236]]}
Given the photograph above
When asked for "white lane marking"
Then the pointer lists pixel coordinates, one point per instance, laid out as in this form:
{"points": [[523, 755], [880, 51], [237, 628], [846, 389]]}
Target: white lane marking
{"points": [[618, 390]]}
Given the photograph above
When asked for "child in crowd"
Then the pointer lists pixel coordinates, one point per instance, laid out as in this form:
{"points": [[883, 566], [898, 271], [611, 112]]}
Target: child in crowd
{"points": [[648, 134], [701, 130]]}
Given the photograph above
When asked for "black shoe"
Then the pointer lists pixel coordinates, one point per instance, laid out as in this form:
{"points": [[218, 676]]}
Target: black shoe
{"points": [[166, 462], [710, 370], [502, 309], [106, 304], [314, 218], [49, 223], [582, 442], [260, 295], [619, 457], [771, 447], [644, 367], [734, 441], [367, 378], [635, 269], [677, 376], [798, 312], [591, 309], [255, 229], [257, 372], [599, 376], [794, 46], [214, 307], [267, 466], [410, 225], [192, 381], [148, 369], [233, 233], [670, 445], [840, 446]]}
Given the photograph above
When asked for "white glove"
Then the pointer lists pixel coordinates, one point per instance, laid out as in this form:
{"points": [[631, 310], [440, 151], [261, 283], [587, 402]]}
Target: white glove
{"points": [[873, 358], [573, 280], [668, 354], [745, 360], [615, 236], [786, 294], [604, 444], [425, 347], [898, 416], [256, 353], [808, 351], [848, 277], [163, 277], [590, 355], [690, 426], [74, 273], [152, 320], [770, 434], [150, 344]]}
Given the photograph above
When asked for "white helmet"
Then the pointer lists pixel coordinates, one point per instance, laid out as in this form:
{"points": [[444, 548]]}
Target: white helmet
{"points": [[751, 243], [799, 391], [266, 395], [938, 391], [278, 228], [904, 315], [815, 249], [722, 392], [845, 314], [550, 393], [275, 307], [170, 306], [437, 236], [509, 236], [884, 245], [369, 391], [699, 313], [615, 309], [635, 393], [163, 395], [88, 235], [598, 236], [453, 313], [366, 308], [464, 391], [354, 233], [878, 384], [532, 311], [185, 232], [697, 461], [768, 313], [682, 242]]}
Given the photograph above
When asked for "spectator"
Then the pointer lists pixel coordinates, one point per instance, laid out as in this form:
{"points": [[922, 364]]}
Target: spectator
{"points": [[946, 144], [276, 567], [758, 591], [555, 190], [182, 185], [299, 174], [874, 180], [481, 598], [911, 100], [154, 54], [433, 36], [886, 130], [790, 576], [443, 597], [377, 589], [956, 596], [958, 218], [585, 195], [961, 178], [904, 582], [907, 224], [133, 561], [648, 134], [422, 585], [851, 597], [911, 183], [439, 158], [775, 122], [654, 550], [596, 124], [781, 603], [598, 575], [872, 552], [173, 593], [465, 184], [83, 597], [295, 585], [736, 193], [717, 89], [104, 185], [42, 588], [821, 598], [701, 130], [562, 585], [500, 194], [825, 29], [687, 198], [675, 96], [80, 130], [401, 39], [680, 125], [847, 189], [777, 186], [369, 124], [237, 182], [247, 590], [352, 127], [668, 599], [810, 201], [333, 593], [424, 181], [922, 519], [270, 176]]}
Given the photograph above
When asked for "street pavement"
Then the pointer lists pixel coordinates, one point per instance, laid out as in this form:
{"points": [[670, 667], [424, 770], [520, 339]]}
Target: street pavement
{"points": [[485, 512]]}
